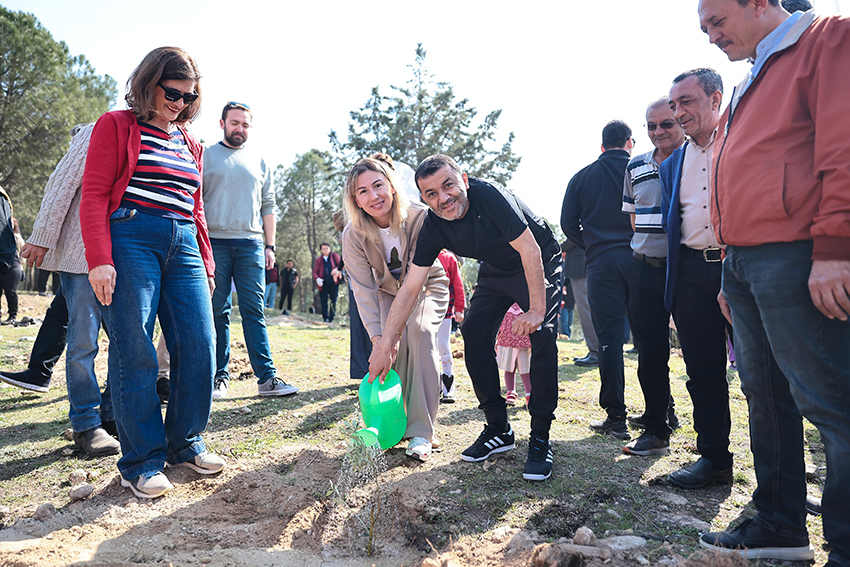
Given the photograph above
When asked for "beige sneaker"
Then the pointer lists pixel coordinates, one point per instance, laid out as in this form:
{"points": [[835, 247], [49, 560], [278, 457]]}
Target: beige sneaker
{"points": [[148, 486], [204, 463]]}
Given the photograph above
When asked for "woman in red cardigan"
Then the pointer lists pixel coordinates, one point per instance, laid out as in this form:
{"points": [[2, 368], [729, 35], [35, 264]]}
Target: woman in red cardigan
{"points": [[148, 253]]}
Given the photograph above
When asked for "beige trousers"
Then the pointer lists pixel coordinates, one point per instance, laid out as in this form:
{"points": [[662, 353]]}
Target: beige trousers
{"points": [[418, 362]]}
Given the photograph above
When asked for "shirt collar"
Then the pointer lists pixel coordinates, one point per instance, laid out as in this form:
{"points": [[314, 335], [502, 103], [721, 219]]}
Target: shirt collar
{"points": [[772, 42], [692, 142]]}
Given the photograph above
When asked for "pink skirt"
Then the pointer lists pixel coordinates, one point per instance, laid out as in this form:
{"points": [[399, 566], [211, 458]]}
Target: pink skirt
{"points": [[510, 358]]}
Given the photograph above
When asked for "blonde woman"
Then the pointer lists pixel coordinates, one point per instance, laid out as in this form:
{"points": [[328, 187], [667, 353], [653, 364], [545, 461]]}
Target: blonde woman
{"points": [[378, 245]]}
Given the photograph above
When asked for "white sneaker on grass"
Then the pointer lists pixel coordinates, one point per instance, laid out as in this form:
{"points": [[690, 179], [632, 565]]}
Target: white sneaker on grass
{"points": [[152, 485], [419, 448], [219, 388]]}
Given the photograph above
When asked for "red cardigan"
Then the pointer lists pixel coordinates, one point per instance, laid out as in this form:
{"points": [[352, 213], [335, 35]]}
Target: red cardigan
{"points": [[110, 163], [319, 265]]}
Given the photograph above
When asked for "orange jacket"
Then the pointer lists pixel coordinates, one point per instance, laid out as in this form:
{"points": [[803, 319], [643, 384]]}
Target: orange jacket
{"points": [[782, 169]]}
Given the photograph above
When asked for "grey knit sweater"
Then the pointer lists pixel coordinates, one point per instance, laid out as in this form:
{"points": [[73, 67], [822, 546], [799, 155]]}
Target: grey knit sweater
{"points": [[57, 226]]}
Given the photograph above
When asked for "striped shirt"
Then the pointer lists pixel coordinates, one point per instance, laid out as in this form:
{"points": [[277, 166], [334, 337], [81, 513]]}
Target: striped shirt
{"points": [[642, 197], [166, 176]]}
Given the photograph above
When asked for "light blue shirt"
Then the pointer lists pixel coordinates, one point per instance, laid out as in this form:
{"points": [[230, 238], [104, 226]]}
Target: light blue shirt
{"points": [[769, 45]]}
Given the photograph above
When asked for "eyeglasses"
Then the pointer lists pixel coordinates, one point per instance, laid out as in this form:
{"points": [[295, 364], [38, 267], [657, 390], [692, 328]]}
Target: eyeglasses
{"points": [[666, 125], [234, 104], [173, 95]]}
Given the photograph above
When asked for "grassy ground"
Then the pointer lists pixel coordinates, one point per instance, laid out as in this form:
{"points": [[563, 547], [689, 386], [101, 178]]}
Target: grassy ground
{"points": [[594, 483]]}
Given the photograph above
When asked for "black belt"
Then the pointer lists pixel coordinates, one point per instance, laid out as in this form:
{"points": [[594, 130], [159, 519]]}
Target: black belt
{"points": [[708, 255], [654, 262]]}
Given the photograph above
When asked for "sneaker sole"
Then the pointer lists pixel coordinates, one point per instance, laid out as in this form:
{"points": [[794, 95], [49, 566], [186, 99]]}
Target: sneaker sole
{"points": [[501, 449], [194, 467], [538, 477], [622, 436], [447, 400], [778, 553], [417, 456], [279, 394], [25, 385], [128, 484], [647, 453], [218, 396]]}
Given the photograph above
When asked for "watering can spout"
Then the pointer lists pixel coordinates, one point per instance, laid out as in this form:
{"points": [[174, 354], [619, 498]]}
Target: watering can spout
{"points": [[369, 436]]}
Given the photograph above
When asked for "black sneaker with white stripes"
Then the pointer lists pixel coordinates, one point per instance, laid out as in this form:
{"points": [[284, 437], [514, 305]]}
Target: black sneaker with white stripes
{"points": [[538, 466], [489, 442]]}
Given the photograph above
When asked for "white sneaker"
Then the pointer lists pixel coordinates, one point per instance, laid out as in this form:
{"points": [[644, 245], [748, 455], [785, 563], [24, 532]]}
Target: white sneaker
{"points": [[219, 388], [148, 486], [419, 448], [276, 387], [204, 463]]}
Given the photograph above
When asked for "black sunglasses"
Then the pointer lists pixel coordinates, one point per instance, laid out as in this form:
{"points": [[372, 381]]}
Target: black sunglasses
{"points": [[174, 95], [666, 125], [234, 104]]}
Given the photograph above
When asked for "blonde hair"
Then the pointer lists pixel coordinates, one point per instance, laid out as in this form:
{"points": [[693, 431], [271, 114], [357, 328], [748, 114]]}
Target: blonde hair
{"points": [[361, 221]]}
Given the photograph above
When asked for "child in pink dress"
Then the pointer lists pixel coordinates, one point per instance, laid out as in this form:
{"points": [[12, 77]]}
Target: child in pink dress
{"points": [[513, 352]]}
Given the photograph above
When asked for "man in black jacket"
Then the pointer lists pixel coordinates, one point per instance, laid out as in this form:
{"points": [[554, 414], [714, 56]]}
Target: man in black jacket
{"points": [[592, 219]]}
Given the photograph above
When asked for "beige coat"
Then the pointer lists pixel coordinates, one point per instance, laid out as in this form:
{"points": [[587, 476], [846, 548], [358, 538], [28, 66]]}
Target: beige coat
{"points": [[373, 285], [418, 360]]}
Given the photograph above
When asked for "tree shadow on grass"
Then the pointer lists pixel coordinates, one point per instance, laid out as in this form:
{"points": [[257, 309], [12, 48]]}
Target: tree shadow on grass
{"points": [[28, 401]]}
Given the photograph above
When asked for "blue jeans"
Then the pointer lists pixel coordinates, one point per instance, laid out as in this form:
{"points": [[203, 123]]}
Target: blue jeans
{"points": [[792, 360], [565, 320], [84, 394], [244, 263], [158, 271], [270, 294]]}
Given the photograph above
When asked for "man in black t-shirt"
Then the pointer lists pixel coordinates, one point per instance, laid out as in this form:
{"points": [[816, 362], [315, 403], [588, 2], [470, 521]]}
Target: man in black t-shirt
{"points": [[521, 262]]}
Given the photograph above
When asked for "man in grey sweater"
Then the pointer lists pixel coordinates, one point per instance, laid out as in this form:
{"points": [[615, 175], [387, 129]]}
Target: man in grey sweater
{"points": [[239, 205]]}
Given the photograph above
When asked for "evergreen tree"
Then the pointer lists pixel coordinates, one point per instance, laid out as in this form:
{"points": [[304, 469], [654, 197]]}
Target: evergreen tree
{"points": [[44, 92], [423, 118]]}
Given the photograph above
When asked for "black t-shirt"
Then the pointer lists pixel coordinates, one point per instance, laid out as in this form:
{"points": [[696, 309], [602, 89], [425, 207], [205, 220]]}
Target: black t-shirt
{"points": [[495, 218]]}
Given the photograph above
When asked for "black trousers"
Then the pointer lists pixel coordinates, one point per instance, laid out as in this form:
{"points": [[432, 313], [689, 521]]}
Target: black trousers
{"points": [[608, 295], [51, 339], [651, 331], [328, 295], [9, 283], [286, 292], [361, 344], [494, 294], [702, 333]]}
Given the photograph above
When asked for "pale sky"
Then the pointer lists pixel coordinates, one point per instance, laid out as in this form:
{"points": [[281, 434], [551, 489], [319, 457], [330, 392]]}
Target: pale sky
{"points": [[558, 70]]}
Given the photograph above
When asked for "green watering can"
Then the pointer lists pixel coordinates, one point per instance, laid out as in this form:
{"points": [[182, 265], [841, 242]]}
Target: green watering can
{"points": [[383, 411]]}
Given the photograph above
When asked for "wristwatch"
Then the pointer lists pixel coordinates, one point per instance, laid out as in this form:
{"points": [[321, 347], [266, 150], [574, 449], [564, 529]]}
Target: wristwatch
{"points": [[270, 247]]}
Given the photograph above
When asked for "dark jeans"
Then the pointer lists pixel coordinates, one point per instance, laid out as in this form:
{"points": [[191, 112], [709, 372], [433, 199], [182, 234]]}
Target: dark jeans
{"points": [[650, 329], [361, 344], [51, 339], [328, 295], [10, 282], [493, 296], [702, 334], [286, 293], [792, 360], [608, 294]]}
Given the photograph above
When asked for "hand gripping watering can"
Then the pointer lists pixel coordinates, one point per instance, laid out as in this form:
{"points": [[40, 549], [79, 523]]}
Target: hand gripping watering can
{"points": [[383, 411]]}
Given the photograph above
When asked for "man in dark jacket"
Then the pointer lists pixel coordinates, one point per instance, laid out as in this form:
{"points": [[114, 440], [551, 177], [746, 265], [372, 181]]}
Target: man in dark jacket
{"points": [[591, 218], [327, 275]]}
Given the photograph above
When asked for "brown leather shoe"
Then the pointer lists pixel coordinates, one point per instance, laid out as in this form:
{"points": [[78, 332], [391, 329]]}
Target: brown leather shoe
{"points": [[96, 442]]}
